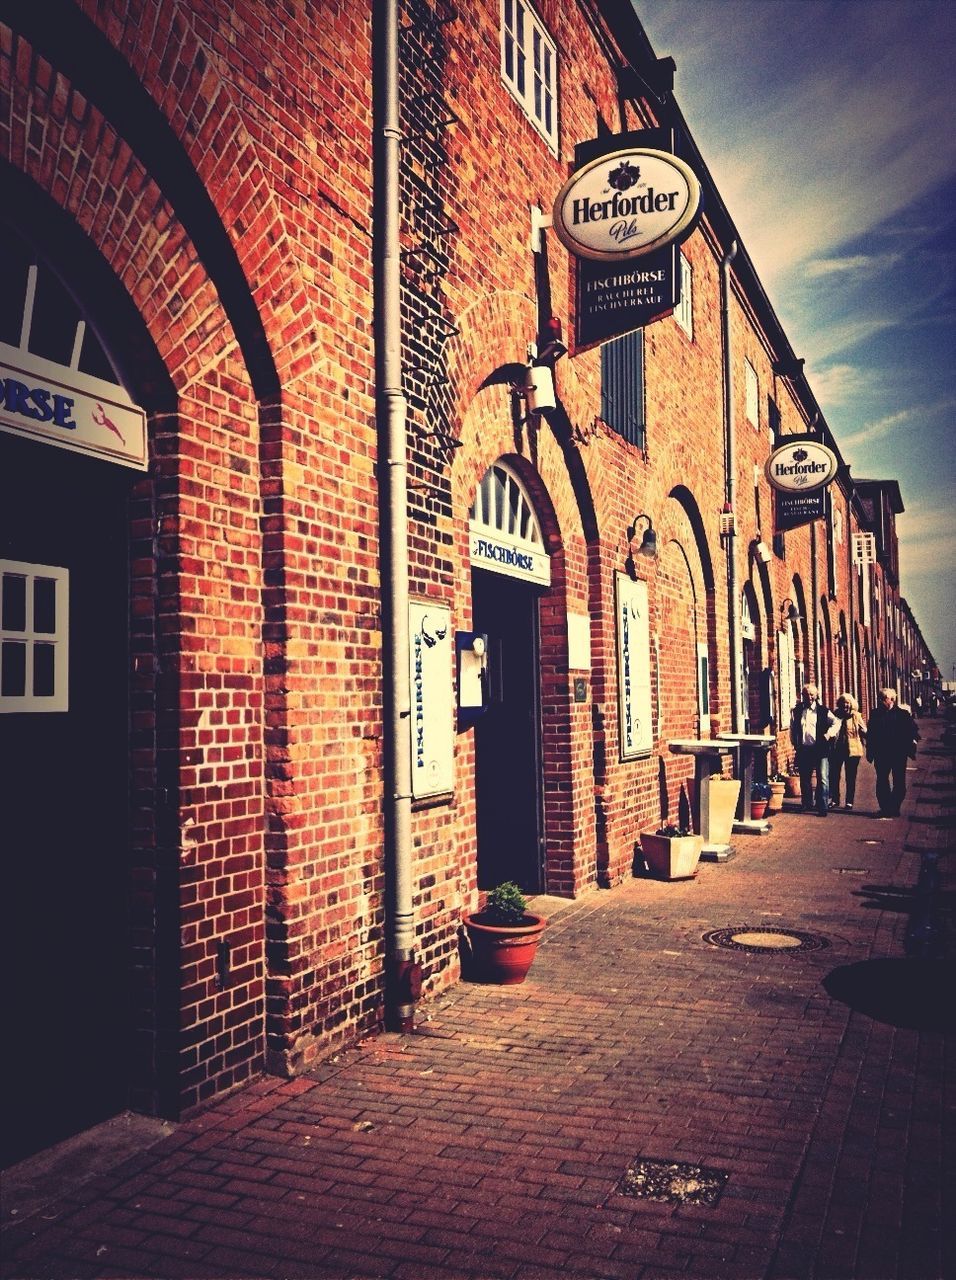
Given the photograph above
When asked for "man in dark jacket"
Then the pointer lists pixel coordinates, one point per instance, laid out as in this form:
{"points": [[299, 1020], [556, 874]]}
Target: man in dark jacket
{"points": [[891, 738], [812, 728]]}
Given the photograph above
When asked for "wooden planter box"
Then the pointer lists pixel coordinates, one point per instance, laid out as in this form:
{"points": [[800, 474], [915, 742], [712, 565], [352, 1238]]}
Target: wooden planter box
{"points": [[671, 857]]}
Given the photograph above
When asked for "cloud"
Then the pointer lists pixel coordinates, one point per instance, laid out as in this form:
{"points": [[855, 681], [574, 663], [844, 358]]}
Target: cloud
{"points": [[838, 383], [876, 430], [853, 264]]}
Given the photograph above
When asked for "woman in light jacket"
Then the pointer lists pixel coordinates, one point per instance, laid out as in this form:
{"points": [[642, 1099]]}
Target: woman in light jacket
{"points": [[848, 748]]}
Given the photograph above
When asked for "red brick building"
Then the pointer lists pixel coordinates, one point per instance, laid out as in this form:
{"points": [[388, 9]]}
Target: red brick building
{"points": [[251, 789]]}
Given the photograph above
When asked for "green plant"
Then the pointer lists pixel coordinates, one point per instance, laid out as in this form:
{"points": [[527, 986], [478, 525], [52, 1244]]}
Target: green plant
{"points": [[672, 830], [777, 777], [506, 905], [760, 791]]}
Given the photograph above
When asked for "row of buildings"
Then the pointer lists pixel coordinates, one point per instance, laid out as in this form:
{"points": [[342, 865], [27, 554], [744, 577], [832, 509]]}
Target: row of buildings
{"points": [[346, 570]]}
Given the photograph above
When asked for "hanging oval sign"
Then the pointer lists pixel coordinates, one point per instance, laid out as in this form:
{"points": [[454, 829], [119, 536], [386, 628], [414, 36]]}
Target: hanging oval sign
{"points": [[627, 204], [801, 466]]}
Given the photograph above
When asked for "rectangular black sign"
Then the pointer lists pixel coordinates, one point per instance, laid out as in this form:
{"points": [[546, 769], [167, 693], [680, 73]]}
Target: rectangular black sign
{"points": [[795, 509], [614, 298]]}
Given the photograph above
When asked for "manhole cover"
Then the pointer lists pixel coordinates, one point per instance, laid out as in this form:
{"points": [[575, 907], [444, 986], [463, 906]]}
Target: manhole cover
{"points": [[748, 938], [672, 1182]]}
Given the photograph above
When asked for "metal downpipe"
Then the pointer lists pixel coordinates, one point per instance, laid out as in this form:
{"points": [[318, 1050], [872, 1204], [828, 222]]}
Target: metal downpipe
{"points": [[730, 486], [402, 977]]}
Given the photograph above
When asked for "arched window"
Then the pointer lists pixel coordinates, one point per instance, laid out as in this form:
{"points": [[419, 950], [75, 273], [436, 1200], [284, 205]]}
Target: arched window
{"points": [[59, 384], [505, 533]]}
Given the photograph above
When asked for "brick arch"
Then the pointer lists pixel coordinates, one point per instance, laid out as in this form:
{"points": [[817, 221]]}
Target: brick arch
{"points": [[85, 168], [493, 332], [183, 150], [491, 343]]}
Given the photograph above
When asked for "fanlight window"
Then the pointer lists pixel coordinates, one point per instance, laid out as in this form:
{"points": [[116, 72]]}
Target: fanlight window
{"points": [[505, 533], [503, 507]]}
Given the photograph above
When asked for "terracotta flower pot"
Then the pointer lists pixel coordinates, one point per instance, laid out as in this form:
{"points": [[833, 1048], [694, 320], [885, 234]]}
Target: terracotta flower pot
{"points": [[758, 809], [671, 857], [499, 953], [792, 787], [775, 803]]}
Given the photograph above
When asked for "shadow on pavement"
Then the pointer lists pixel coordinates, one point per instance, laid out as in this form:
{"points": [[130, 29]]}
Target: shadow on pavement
{"points": [[911, 992]]}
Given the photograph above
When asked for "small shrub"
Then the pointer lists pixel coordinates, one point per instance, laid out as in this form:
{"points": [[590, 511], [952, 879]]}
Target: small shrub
{"points": [[506, 905], [672, 830], [760, 791]]}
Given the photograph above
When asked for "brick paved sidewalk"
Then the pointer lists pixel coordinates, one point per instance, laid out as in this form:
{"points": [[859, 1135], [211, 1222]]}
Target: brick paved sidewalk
{"points": [[808, 1086]]}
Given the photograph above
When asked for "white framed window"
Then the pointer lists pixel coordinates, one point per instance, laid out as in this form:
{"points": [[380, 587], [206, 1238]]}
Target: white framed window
{"points": [[34, 648], [752, 393], [684, 315], [529, 67]]}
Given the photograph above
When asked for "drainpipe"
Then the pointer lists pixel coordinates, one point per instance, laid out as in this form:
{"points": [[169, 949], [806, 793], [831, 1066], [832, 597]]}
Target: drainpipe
{"points": [[402, 975], [730, 487], [815, 587]]}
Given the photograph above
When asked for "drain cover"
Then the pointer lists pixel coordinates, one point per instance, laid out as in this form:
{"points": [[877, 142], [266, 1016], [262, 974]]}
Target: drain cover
{"points": [[750, 938], [672, 1182]]}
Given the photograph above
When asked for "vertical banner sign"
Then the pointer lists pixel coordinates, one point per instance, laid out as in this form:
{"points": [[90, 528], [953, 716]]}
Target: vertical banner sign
{"points": [[430, 673], [799, 472], [633, 667], [626, 207]]}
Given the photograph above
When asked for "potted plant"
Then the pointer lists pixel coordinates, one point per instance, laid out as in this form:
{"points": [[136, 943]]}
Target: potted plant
{"points": [[759, 799], [792, 786], [671, 852], [503, 937], [777, 782]]}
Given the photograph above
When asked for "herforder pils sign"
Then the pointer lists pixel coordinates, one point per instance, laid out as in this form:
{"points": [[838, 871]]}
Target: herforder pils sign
{"points": [[626, 204], [800, 471]]}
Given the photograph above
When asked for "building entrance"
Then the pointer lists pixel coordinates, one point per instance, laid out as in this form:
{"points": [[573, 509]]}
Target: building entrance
{"points": [[64, 743], [507, 735]]}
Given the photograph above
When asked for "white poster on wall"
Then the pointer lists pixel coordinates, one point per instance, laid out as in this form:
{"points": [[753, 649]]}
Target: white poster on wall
{"points": [[430, 673], [633, 667]]}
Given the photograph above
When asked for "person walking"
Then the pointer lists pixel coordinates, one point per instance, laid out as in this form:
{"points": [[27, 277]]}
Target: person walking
{"points": [[812, 728], [891, 740], [847, 749]]}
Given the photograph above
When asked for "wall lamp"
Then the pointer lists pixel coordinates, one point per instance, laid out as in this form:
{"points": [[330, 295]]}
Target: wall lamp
{"points": [[762, 551], [536, 387], [789, 611], [648, 545]]}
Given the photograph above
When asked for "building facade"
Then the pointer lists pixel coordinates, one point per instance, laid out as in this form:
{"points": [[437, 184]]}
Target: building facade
{"points": [[271, 467]]}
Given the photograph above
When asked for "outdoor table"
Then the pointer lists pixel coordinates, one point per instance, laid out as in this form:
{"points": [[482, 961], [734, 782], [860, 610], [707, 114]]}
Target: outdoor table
{"points": [[707, 753], [747, 746]]}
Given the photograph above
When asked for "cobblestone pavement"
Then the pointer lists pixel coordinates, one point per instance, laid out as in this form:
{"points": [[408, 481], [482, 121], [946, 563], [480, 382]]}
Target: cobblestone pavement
{"points": [[793, 1109]]}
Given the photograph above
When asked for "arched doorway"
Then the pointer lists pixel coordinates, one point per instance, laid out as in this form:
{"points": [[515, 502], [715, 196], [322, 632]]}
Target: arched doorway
{"points": [[510, 570], [65, 424]]}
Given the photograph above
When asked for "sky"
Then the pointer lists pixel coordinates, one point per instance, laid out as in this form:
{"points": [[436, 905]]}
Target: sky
{"points": [[830, 131]]}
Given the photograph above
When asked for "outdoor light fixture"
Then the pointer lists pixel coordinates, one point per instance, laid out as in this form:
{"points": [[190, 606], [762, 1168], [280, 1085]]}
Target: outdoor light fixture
{"points": [[648, 545], [762, 551], [536, 387], [789, 611], [539, 389]]}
